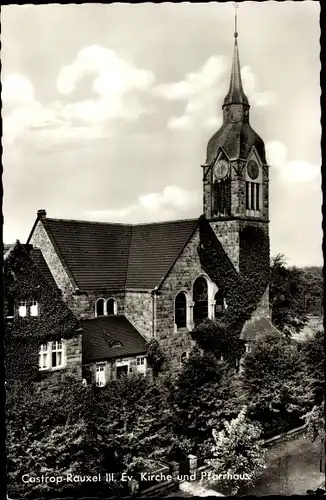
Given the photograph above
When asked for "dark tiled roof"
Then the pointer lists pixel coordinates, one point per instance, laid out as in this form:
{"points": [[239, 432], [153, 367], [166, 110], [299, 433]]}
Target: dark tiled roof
{"points": [[96, 254], [39, 261], [255, 327], [100, 334], [106, 256], [236, 140], [154, 249]]}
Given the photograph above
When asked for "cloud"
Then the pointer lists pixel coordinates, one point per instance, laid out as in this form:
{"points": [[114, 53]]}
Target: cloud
{"points": [[202, 91], [171, 203], [250, 84], [116, 85], [295, 171], [16, 90]]}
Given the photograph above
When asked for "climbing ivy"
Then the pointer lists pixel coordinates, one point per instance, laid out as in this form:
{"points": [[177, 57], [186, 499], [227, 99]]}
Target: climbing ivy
{"points": [[23, 281], [242, 290]]}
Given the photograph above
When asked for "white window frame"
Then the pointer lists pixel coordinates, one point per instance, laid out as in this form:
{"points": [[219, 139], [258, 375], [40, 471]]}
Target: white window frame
{"points": [[34, 309], [100, 374], [189, 304], [114, 307], [22, 308], [141, 364], [104, 307], [58, 346]]}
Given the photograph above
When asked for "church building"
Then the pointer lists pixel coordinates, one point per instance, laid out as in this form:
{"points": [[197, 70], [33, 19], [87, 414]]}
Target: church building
{"points": [[130, 283]]}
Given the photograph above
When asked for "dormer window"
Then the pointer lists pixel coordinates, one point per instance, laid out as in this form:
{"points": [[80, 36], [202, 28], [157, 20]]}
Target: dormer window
{"points": [[22, 309], [34, 308]]}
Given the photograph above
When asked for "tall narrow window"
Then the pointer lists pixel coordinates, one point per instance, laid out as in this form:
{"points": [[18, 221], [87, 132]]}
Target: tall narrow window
{"points": [[252, 196], [200, 296], [100, 307], [219, 304], [257, 197], [57, 354], [110, 306], [181, 310], [43, 359], [141, 364], [22, 310], [247, 195], [34, 308], [100, 375]]}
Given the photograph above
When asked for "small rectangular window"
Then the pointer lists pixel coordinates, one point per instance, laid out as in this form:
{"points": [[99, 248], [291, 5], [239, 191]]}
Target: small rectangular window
{"points": [[141, 364], [34, 308], [22, 309]]}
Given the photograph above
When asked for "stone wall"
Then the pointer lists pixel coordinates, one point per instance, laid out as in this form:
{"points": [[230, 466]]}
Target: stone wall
{"points": [[41, 240], [139, 310], [84, 305], [181, 278]]}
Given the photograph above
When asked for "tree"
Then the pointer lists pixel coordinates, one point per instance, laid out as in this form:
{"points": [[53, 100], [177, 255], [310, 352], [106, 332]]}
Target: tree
{"points": [[238, 452], [273, 374], [54, 433], [286, 295], [134, 422], [205, 393], [315, 421], [313, 351]]}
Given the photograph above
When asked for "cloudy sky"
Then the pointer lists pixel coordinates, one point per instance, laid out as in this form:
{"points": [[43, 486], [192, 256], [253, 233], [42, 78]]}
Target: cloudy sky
{"points": [[107, 111]]}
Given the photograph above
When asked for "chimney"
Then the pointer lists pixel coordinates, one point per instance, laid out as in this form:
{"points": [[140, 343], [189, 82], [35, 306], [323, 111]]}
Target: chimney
{"points": [[41, 214]]}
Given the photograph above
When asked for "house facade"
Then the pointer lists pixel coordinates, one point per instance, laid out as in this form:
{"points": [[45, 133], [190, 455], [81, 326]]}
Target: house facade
{"points": [[43, 341]]}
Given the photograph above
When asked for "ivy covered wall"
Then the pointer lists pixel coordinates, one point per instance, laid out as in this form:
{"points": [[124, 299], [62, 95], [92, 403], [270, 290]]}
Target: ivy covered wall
{"points": [[23, 281]]}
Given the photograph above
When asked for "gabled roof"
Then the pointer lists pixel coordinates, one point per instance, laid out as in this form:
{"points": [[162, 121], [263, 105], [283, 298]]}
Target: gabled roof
{"points": [[39, 261], [105, 256], [100, 335], [257, 326]]}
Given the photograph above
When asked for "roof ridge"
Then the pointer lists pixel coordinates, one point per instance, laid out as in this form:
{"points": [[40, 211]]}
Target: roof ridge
{"points": [[89, 222], [121, 224]]}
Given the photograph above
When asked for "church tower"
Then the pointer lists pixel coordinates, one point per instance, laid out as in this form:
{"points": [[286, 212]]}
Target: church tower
{"points": [[235, 175]]}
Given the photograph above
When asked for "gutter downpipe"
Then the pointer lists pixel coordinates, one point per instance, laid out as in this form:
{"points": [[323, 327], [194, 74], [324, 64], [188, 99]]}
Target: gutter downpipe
{"points": [[154, 295]]}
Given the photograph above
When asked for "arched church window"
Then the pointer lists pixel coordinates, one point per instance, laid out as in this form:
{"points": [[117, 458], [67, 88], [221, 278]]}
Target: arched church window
{"points": [[110, 307], [219, 304], [100, 307], [181, 310], [200, 297]]}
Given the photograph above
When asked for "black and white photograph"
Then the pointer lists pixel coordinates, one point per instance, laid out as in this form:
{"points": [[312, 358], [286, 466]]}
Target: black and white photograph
{"points": [[162, 250]]}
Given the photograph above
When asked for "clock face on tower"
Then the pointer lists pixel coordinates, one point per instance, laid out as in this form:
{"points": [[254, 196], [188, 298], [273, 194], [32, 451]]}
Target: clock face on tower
{"points": [[221, 169], [253, 169]]}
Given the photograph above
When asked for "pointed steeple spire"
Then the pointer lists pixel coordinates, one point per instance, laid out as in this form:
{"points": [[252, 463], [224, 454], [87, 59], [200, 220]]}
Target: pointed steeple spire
{"points": [[236, 94]]}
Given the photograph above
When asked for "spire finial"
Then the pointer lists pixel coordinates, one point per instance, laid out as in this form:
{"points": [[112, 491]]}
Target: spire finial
{"points": [[236, 6]]}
